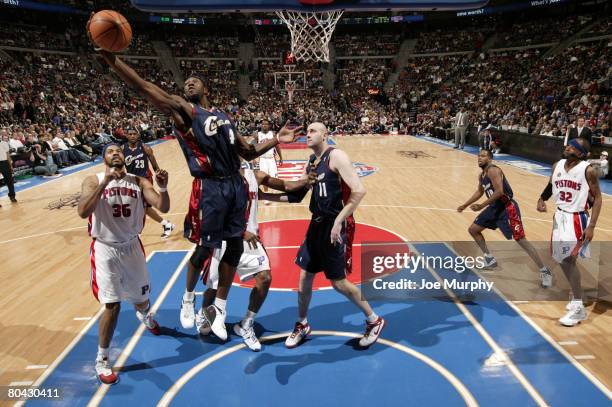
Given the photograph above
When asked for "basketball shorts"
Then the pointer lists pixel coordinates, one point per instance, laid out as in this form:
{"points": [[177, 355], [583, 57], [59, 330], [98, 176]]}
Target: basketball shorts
{"points": [[119, 273], [568, 234], [268, 165], [252, 262], [506, 217], [317, 253], [218, 210]]}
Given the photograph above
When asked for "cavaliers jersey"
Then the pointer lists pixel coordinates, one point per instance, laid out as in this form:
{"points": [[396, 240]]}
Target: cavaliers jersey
{"points": [[208, 146], [262, 138], [252, 225], [136, 160], [487, 185], [119, 215], [329, 193], [570, 188]]}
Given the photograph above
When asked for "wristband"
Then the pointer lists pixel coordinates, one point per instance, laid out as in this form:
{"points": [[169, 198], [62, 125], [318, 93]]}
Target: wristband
{"points": [[163, 190], [547, 193]]}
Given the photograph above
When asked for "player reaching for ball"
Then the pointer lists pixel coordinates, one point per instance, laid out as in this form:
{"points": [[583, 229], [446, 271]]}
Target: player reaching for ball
{"points": [[212, 147]]}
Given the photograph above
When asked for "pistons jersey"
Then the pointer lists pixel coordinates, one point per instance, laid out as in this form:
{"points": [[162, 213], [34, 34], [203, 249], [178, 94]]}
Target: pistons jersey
{"points": [[119, 215], [252, 225], [262, 138], [570, 188]]}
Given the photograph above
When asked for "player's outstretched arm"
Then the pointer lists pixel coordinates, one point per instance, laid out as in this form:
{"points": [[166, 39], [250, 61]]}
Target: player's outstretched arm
{"points": [[251, 151], [161, 200], [267, 196], [154, 94], [285, 186], [593, 182]]}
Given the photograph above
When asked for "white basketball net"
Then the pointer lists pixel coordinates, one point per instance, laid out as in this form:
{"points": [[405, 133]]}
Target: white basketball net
{"points": [[310, 32]]}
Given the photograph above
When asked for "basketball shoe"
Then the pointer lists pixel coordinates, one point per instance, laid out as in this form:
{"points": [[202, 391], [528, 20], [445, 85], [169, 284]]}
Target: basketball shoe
{"points": [[202, 324], [168, 228], [575, 315], [148, 321], [490, 262], [105, 373], [546, 278], [248, 335], [300, 332], [372, 332], [216, 319], [187, 313]]}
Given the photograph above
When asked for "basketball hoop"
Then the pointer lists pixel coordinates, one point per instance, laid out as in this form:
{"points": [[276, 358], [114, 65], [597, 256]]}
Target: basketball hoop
{"points": [[310, 32], [290, 88]]}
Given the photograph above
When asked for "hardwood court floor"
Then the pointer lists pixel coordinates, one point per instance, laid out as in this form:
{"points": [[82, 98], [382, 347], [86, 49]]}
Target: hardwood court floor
{"points": [[45, 296]]}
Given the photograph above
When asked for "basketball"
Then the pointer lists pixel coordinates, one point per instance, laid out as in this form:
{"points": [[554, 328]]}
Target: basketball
{"points": [[110, 31]]}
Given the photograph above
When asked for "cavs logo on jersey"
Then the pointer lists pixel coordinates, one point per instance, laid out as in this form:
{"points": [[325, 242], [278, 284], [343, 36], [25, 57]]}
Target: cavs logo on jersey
{"points": [[292, 169]]}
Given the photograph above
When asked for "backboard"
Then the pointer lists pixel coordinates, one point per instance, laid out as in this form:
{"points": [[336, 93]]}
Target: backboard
{"points": [[181, 6]]}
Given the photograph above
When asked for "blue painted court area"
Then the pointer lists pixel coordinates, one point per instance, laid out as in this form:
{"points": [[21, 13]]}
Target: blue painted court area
{"points": [[431, 354], [534, 167]]}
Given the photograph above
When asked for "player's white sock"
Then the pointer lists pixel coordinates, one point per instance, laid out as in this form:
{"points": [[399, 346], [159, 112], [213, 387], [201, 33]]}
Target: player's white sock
{"points": [[303, 321], [165, 222], [545, 270], [249, 318], [372, 317], [219, 303], [189, 295], [102, 353]]}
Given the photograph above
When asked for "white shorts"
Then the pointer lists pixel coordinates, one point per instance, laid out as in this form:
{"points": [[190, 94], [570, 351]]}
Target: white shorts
{"points": [[567, 235], [119, 273], [251, 263], [268, 165]]}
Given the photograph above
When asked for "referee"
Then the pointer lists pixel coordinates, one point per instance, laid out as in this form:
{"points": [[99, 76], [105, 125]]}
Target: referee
{"points": [[6, 166]]}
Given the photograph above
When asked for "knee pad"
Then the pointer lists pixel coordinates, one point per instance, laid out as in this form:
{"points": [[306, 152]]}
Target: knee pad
{"points": [[233, 251], [199, 257]]}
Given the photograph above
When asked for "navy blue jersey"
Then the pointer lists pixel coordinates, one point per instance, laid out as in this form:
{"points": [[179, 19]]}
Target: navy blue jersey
{"points": [[209, 145], [487, 185], [136, 160], [329, 193]]}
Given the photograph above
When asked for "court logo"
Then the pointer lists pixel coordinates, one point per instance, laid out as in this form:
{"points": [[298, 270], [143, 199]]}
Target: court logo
{"points": [[293, 169], [67, 201], [415, 154]]}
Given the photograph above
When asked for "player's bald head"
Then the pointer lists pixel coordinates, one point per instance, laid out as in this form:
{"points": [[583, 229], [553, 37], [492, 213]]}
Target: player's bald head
{"points": [[319, 127]]}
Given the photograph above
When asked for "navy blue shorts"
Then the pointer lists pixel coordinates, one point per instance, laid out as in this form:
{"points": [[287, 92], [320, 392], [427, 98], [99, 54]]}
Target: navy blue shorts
{"points": [[506, 217], [218, 210], [317, 253]]}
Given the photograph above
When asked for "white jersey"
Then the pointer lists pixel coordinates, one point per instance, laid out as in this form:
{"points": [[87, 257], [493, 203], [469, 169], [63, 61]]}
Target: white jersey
{"points": [[263, 137], [119, 215], [570, 189], [252, 225]]}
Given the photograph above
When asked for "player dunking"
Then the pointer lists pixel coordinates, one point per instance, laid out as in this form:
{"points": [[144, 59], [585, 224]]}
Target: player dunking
{"points": [[267, 162], [137, 156], [328, 243], [573, 182], [502, 212], [254, 262], [114, 201], [212, 146]]}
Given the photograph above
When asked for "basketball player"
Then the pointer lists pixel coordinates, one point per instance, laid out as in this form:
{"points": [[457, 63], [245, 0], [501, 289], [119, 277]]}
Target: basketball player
{"points": [[114, 201], [267, 162], [211, 146], [501, 211], [254, 262], [328, 243], [137, 156], [573, 183]]}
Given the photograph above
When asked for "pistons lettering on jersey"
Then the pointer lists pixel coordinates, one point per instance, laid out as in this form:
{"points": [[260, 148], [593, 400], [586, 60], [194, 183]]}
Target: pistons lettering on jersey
{"points": [[566, 183], [124, 191], [212, 123]]}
